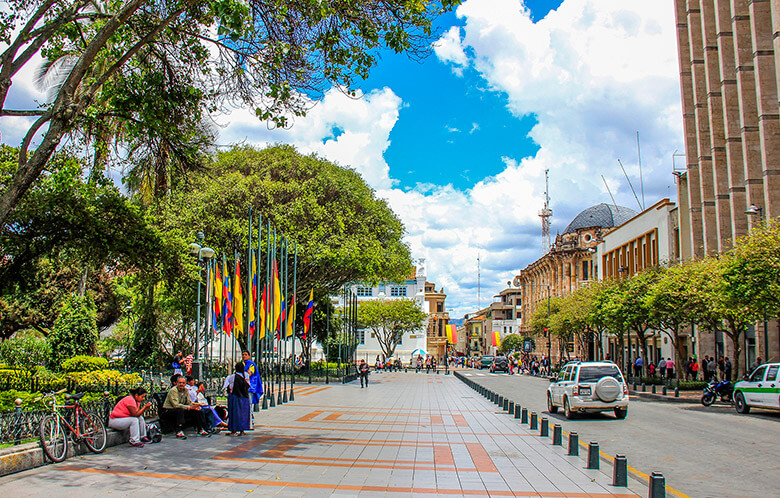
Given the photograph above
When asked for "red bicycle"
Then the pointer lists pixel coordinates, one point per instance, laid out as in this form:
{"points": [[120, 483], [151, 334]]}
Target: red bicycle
{"points": [[80, 425]]}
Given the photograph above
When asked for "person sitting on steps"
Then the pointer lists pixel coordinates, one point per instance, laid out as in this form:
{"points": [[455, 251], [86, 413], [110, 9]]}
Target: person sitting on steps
{"points": [[179, 410]]}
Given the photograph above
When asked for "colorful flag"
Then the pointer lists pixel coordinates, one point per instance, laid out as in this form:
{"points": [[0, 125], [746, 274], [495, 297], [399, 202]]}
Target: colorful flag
{"points": [[291, 320], [216, 296], [307, 315], [263, 304], [238, 301], [227, 304], [454, 329], [278, 299], [252, 298], [496, 339], [449, 334]]}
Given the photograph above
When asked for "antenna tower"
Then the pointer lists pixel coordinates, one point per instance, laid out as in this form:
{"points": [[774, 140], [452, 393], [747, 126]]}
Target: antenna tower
{"points": [[479, 289], [545, 214]]}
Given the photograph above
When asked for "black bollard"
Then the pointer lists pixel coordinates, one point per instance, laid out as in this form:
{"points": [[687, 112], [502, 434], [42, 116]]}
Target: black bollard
{"points": [[663, 391], [657, 486], [518, 409], [593, 455], [500, 401], [545, 430], [644, 388], [506, 404], [534, 421], [653, 388], [524, 419], [676, 392], [620, 471], [574, 444], [557, 433], [511, 409]]}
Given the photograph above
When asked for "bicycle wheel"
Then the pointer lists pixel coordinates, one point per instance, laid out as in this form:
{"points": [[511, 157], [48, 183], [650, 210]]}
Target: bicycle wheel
{"points": [[54, 441], [93, 432]]}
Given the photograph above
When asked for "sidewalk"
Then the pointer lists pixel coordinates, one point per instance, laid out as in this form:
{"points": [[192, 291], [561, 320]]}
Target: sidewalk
{"points": [[406, 435]]}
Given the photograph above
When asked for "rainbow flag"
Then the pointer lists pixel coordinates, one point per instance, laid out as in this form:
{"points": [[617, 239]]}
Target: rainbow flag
{"points": [[227, 304], [216, 297], [238, 300]]}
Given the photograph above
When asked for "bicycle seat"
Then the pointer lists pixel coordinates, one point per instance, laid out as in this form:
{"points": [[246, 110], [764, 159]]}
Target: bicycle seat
{"points": [[74, 397]]}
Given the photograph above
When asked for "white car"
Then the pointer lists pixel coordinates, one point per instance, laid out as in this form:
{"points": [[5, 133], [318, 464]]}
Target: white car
{"points": [[761, 389], [586, 387]]}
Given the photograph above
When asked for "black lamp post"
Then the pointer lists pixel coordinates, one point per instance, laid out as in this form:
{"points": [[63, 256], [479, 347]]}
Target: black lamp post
{"points": [[202, 253]]}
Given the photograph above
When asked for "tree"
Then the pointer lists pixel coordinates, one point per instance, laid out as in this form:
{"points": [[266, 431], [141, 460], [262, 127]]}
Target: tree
{"points": [[389, 320], [25, 351], [636, 314], [510, 343], [75, 331], [607, 312], [269, 55], [753, 272]]}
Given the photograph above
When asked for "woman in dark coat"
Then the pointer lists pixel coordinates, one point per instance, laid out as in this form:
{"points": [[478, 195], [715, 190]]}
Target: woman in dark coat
{"points": [[238, 402]]}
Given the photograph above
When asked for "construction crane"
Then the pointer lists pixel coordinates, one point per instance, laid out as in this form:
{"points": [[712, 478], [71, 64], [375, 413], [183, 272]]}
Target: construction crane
{"points": [[545, 214]]}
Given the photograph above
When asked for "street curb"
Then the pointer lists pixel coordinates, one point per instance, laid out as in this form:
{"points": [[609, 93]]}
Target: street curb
{"points": [[661, 397]]}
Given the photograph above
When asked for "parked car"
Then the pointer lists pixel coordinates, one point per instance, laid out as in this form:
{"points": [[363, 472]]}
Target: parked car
{"points": [[587, 387], [761, 389], [485, 361], [499, 363]]}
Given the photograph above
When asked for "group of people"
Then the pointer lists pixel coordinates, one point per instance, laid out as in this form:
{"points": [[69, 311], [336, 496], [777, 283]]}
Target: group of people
{"points": [[186, 405], [710, 368]]}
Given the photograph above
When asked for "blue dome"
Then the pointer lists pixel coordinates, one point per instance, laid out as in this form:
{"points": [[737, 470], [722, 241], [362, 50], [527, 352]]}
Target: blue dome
{"points": [[601, 216]]}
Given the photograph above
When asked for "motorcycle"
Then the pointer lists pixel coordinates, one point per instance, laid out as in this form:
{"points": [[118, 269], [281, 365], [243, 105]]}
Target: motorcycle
{"points": [[723, 388]]}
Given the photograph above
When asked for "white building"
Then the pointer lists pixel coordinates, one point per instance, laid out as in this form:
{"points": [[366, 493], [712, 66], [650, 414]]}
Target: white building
{"points": [[368, 347]]}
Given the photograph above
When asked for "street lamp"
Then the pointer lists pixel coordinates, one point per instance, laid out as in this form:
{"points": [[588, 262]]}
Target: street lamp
{"points": [[752, 211], [203, 254]]}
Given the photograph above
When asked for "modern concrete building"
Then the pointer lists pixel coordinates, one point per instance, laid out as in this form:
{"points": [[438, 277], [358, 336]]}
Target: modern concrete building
{"points": [[729, 53]]}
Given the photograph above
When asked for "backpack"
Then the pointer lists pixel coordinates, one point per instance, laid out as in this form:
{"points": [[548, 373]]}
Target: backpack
{"points": [[153, 432]]}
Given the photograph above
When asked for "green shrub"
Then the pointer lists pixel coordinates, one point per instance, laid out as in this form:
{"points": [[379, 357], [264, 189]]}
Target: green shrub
{"points": [[99, 378], [692, 386], [30, 400], [75, 329], [24, 352], [84, 363]]}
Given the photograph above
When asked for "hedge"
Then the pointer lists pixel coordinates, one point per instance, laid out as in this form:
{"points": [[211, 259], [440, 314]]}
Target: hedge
{"points": [[84, 363]]}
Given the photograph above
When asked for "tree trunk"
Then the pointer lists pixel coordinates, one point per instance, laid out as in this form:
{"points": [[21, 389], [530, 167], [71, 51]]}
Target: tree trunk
{"points": [[735, 334]]}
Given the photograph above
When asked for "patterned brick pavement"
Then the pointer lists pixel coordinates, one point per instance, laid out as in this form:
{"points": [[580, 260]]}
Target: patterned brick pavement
{"points": [[406, 435]]}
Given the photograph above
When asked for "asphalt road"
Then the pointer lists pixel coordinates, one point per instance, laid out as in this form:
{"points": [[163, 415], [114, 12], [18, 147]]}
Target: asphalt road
{"points": [[701, 451]]}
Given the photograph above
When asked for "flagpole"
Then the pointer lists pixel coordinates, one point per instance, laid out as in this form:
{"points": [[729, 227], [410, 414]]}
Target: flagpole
{"points": [[250, 270], [327, 335], [283, 332], [295, 303], [209, 311], [272, 327], [258, 349], [266, 306]]}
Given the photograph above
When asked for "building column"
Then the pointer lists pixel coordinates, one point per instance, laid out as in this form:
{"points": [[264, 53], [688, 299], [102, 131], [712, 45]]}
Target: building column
{"points": [[767, 105], [751, 141]]}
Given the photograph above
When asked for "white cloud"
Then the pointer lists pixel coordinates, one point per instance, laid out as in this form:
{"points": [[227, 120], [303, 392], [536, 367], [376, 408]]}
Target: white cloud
{"points": [[448, 48], [350, 131]]}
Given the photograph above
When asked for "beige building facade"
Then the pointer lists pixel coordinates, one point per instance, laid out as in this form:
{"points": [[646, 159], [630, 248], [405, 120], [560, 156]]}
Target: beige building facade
{"points": [[438, 320], [729, 54]]}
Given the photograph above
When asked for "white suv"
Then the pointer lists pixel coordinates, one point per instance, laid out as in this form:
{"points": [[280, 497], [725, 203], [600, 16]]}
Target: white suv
{"points": [[594, 386]]}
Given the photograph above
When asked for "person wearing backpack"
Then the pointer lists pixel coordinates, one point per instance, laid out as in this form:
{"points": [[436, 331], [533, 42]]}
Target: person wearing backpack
{"points": [[363, 372]]}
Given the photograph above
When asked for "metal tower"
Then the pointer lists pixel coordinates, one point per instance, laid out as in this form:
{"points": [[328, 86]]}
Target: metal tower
{"points": [[545, 214]]}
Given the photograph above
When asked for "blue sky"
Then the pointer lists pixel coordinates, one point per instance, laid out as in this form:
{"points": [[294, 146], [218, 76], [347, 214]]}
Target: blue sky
{"points": [[459, 143]]}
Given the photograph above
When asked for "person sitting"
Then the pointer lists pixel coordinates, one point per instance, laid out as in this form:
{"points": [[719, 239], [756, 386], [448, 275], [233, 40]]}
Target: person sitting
{"points": [[238, 401], [179, 410], [129, 414], [211, 419]]}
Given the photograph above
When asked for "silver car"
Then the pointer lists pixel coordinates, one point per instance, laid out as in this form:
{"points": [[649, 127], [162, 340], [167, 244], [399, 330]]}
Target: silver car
{"points": [[586, 387]]}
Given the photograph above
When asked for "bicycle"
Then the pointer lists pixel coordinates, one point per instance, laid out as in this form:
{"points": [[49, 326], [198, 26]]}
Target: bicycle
{"points": [[56, 427]]}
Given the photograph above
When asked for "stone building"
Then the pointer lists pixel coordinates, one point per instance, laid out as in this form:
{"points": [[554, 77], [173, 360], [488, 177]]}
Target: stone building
{"points": [[438, 319], [729, 54], [569, 264]]}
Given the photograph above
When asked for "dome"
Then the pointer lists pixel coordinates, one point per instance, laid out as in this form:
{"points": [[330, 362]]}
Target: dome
{"points": [[601, 215]]}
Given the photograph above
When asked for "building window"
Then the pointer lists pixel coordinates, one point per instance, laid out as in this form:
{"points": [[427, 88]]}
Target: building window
{"points": [[398, 291], [364, 291], [361, 336], [440, 307], [585, 270]]}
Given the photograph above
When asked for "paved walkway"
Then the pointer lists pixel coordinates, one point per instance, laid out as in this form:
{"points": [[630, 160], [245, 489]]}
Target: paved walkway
{"points": [[406, 435]]}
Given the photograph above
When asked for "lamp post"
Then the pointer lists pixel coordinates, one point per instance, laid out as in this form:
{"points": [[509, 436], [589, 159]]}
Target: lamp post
{"points": [[202, 253], [752, 211]]}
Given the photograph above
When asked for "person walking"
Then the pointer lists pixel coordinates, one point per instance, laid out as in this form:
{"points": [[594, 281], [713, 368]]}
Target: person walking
{"points": [[669, 368], [694, 370], [712, 369], [662, 367], [363, 372], [704, 370], [727, 369]]}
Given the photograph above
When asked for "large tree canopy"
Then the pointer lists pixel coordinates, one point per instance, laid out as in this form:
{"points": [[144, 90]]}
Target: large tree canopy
{"points": [[389, 320], [343, 232], [270, 55]]}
